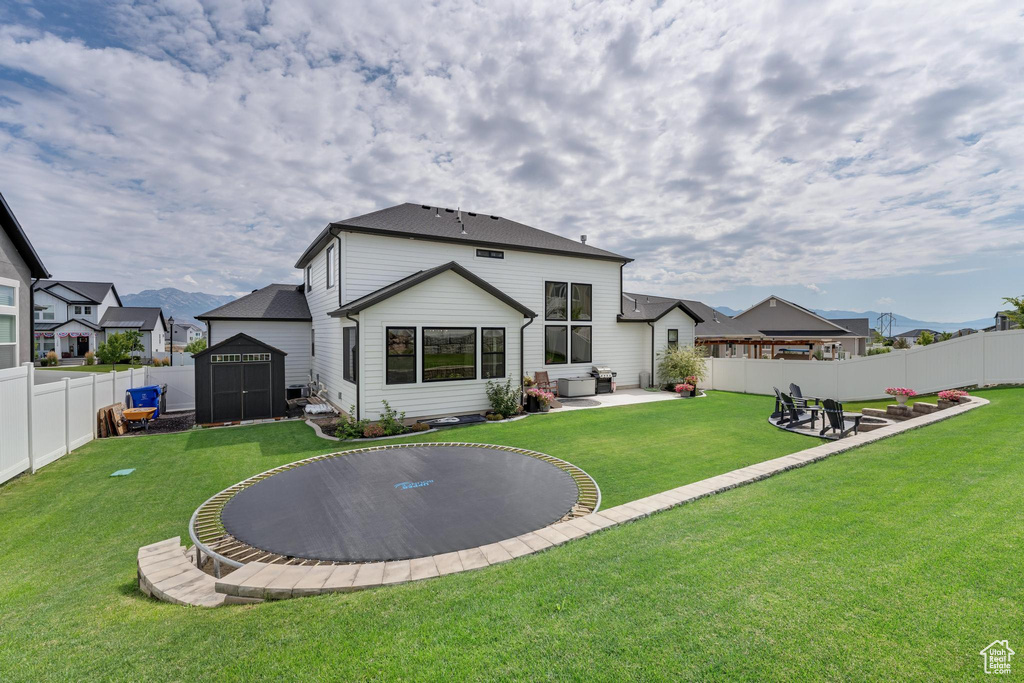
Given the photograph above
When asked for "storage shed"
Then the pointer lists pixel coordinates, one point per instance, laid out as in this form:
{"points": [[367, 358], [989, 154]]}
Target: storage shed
{"points": [[241, 378]]}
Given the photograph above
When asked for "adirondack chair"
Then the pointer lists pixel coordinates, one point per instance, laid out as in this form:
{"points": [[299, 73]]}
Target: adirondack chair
{"points": [[838, 421], [799, 399], [780, 407], [796, 416], [544, 382]]}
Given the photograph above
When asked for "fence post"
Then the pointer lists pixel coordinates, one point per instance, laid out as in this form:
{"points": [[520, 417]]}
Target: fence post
{"points": [[92, 405], [67, 415], [30, 370], [113, 385]]}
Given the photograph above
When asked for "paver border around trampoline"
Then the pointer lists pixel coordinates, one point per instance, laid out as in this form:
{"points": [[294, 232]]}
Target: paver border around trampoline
{"points": [[258, 581], [211, 538]]}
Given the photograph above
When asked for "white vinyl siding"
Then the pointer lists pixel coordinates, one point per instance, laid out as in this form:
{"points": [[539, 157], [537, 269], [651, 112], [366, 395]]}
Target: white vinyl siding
{"points": [[327, 363], [292, 337]]}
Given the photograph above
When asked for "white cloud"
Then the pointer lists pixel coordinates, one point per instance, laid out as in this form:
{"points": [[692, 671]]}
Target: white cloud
{"points": [[747, 144], [815, 288], [886, 301]]}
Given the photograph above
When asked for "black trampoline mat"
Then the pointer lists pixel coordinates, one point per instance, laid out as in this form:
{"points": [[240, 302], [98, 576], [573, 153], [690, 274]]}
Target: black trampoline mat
{"points": [[399, 503]]}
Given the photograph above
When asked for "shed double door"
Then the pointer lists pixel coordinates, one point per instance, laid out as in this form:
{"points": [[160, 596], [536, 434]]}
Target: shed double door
{"points": [[241, 391]]}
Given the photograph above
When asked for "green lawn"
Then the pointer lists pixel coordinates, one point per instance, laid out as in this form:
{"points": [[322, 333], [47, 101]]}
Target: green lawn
{"points": [[898, 560], [90, 368]]}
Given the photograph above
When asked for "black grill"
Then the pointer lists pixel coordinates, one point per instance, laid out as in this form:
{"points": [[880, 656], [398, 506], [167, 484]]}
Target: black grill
{"points": [[603, 376]]}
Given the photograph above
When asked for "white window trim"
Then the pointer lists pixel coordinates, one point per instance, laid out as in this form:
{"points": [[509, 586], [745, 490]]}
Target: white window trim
{"points": [[13, 311], [419, 383]]}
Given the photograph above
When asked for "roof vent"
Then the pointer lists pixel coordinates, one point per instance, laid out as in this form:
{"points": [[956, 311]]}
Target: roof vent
{"points": [[494, 218], [583, 239], [437, 213], [714, 315], [425, 206], [471, 213], [771, 304], [449, 210]]}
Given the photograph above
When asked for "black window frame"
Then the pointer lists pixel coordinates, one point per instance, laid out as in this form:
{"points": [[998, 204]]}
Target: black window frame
{"points": [[309, 277], [423, 354], [565, 332], [350, 347], [572, 292], [671, 343], [484, 353], [565, 284], [312, 342], [572, 346], [388, 355], [329, 266], [490, 253]]}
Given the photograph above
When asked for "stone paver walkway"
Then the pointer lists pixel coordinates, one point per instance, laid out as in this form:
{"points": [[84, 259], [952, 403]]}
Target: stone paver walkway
{"points": [[261, 581]]}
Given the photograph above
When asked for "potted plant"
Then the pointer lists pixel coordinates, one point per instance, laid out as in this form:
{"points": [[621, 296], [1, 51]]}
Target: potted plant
{"points": [[538, 400], [951, 397], [901, 394], [692, 380], [685, 390]]}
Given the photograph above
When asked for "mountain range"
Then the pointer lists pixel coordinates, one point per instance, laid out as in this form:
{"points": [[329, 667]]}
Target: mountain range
{"points": [[182, 306], [900, 323]]}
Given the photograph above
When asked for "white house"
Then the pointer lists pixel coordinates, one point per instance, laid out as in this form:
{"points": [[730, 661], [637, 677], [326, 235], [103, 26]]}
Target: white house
{"points": [[421, 306], [185, 334], [74, 317]]}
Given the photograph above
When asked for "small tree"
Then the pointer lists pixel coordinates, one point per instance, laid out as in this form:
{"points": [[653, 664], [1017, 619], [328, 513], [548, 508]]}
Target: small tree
{"points": [[926, 338], [876, 337], [195, 346], [1017, 314], [945, 336], [113, 350], [676, 364], [901, 343], [133, 342]]}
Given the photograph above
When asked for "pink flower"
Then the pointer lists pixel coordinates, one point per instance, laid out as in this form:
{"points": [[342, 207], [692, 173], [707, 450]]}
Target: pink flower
{"points": [[953, 395], [680, 388], [900, 391]]}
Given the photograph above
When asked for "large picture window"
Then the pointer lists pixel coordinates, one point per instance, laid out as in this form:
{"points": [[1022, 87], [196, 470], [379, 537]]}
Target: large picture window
{"points": [[673, 339], [492, 352], [350, 342], [582, 302], [401, 355], [555, 300], [555, 345], [582, 346], [449, 353]]}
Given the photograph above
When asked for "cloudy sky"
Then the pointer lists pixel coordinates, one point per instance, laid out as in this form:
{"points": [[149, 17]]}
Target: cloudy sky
{"points": [[857, 156]]}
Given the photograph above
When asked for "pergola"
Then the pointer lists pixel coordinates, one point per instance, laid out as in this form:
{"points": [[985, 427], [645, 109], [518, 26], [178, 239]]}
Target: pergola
{"points": [[755, 347]]}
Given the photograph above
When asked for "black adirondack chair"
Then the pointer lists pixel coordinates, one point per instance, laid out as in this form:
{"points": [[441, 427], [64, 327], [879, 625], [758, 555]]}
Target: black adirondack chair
{"points": [[799, 399], [837, 421], [780, 407], [796, 416]]}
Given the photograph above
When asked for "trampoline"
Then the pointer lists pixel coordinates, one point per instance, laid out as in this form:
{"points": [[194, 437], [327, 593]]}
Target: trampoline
{"points": [[392, 502]]}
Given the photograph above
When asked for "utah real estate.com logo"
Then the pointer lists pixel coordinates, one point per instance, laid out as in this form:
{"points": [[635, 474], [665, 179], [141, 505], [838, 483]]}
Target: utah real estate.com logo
{"points": [[997, 657]]}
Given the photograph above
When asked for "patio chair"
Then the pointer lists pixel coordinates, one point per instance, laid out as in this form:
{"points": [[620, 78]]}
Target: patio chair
{"points": [[838, 421], [799, 399], [780, 407], [796, 416], [544, 382]]}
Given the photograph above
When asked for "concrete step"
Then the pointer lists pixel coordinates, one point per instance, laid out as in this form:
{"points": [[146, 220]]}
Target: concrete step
{"points": [[925, 408]]}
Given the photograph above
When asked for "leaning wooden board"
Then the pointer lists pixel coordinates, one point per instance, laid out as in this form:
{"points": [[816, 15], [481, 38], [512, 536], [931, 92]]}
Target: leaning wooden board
{"points": [[111, 420]]}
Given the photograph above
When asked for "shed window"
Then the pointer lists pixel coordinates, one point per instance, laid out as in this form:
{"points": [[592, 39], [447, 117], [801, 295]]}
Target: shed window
{"points": [[449, 353], [673, 339], [401, 355], [351, 345], [555, 300], [490, 253], [226, 358], [582, 302], [255, 357], [330, 266], [492, 353], [582, 346], [555, 345]]}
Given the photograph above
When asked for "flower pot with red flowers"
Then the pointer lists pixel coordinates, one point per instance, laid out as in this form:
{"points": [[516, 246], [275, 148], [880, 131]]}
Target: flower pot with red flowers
{"points": [[538, 400], [901, 394], [685, 390]]}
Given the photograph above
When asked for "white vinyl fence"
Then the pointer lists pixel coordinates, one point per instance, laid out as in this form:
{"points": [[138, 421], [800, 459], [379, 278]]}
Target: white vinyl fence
{"points": [[977, 359], [46, 414]]}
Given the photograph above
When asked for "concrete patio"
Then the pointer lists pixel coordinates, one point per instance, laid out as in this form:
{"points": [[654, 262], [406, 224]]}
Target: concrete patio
{"points": [[621, 397]]}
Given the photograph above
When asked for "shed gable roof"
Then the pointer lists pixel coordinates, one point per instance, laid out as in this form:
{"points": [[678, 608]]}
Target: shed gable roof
{"points": [[241, 336]]}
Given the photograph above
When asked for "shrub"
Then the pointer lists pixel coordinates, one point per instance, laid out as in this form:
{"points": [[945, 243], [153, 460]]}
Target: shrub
{"points": [[373, 431], [882, 349], [901, 343], [675, 365], [349, 427], [926, 338], [391, 421], [944, 336], [420, 427], [51, 359], [195, 346], [504, 398], [90, 358], [494, 417]]}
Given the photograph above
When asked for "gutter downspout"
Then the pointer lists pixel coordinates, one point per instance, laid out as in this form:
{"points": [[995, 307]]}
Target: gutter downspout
{"points": [[349, 316], [522, 371], [653, 380], [338, 238], [622, 267], [31, 322]]}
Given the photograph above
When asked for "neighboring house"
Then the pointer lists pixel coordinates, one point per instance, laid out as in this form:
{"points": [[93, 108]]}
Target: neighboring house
{"points": [[277, 315], [1004, 322], [720, 333], [185, 334], [790, 330], [913, 335], [147, 320], [68, 314], [422, 306], [19, 265]]}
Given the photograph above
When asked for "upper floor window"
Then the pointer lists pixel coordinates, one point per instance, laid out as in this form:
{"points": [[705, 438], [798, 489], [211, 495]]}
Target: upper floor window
{"points": [[46, 313], [351, 349], [330, 266], [582, 302], [83, 310], [673, 339], [555, 300], [490, 253], [7, 295]]}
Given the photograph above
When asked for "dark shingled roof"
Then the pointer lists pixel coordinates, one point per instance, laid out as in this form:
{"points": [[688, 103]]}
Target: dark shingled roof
{"points": [[273, 302], [140, 317], [48, 327], [648, 308], [915, 333], [17, 235], [718, 325], [398, 286], [90, 292], [860, 327], [441, 224]]}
